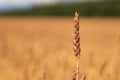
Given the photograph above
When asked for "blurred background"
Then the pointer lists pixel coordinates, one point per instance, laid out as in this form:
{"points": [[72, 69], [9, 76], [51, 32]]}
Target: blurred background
{"points": [[36, 39], [60, 7]]}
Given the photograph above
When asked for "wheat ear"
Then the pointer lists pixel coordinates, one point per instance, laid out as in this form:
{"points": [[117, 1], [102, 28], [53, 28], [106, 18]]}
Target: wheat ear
{"points": [[76, 47]]}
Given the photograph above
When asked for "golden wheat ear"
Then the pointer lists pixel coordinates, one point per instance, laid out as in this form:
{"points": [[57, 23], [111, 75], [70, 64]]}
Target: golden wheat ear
{"points": [[76, 36], [76, 46]]}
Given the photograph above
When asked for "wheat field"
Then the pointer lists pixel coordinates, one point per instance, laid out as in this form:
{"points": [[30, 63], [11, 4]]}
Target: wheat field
{"points": [[40, 48]]}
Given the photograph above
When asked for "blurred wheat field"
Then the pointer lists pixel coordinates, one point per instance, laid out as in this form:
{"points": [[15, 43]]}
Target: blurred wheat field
{"points": [[30, 46]]}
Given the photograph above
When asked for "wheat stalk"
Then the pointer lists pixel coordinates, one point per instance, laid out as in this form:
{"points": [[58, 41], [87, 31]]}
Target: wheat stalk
{"points": [[76, 47]]}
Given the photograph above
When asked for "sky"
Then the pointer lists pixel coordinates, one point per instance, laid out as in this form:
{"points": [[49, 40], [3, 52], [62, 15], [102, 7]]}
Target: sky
{"points": [[7, 4]]}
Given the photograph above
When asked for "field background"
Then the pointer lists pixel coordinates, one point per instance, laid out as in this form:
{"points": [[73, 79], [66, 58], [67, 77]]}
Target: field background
{"points": [[35, 47], [89, 8]]}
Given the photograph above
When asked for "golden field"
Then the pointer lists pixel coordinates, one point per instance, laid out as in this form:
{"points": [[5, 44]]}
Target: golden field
{"points": [[35, 47]]}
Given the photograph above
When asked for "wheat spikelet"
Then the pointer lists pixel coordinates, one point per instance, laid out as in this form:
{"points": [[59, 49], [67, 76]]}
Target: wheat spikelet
{"points": [[76, 47]]}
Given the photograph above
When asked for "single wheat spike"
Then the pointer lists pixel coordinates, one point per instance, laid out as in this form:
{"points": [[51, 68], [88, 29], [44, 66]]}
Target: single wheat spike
{"points": [[76, 36], [76, 47]]}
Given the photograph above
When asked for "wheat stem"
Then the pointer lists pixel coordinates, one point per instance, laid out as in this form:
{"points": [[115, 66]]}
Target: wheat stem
{"points": [[77, 69]]}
